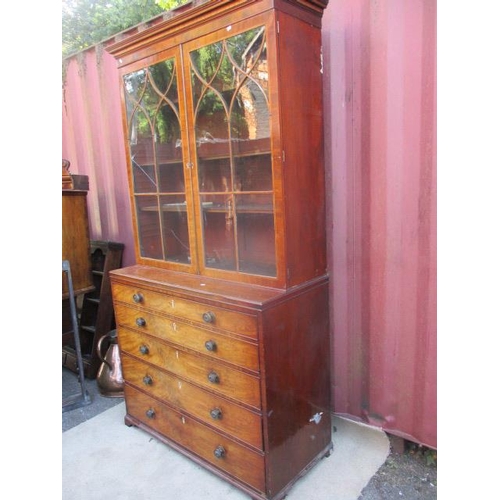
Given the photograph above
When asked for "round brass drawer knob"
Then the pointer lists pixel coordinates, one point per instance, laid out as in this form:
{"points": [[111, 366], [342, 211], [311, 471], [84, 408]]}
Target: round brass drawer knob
{"points": [[220, 452], [140, 322], [210, 345], [148, 380], [137, 298], [144, 349], [209, 317], [216, 414], [213, 378], [150, 413]]}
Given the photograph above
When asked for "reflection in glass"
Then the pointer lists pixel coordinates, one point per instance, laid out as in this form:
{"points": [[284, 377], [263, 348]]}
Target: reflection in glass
{"points": [[155, 145], [175, 228], [229, 82], [148, 223], [256, 244], [219, 232]]}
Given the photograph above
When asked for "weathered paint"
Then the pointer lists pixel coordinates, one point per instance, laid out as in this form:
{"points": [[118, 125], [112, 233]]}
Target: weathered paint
{"points": [[380, 122], [93, 142], [380, 107]]}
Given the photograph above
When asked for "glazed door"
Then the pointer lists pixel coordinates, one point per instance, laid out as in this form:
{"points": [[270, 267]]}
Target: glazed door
{"points": [[159, 175], [229, 106]]}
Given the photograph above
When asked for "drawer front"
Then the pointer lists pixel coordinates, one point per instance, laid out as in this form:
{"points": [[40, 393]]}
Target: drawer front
{"points": [[235, 459], [204, 341], [231, 321], [206, 406], [199, 369]]}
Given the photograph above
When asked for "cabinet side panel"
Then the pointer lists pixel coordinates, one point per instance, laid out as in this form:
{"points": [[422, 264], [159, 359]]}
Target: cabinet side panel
{"points": [[297, 393], [76, 241], [301, 105]]}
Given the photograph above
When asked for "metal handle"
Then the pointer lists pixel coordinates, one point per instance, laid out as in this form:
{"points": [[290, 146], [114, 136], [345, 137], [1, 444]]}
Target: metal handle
{"points": [[220, 452], [216, 414], [210, 345], [137, 297], [148, 380], [99, 351], [150, 413], [144, 349], [140, 322], [208, 317], [213, 377]]}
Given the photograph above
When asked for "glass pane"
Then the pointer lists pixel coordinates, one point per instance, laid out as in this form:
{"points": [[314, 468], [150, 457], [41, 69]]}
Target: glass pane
{"points": [[253, 173], [250, 112], [144, 175], [154, 128], [148, 222], [219, 231], [212, 143], [175, 229], [157, 167], [215, 175], [232, 123], [255, 228], [171, 177]]}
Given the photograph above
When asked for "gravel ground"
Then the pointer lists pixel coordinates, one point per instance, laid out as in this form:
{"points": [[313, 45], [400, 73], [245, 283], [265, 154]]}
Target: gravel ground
{"points": [[411, 475]]}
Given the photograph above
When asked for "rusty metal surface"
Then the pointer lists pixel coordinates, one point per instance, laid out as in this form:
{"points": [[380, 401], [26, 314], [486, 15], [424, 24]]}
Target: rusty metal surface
{"points": [[380, 118]]}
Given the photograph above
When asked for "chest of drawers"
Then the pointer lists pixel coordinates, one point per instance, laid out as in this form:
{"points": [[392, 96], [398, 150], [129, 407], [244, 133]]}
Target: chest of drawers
{"points": [[233, 376]]}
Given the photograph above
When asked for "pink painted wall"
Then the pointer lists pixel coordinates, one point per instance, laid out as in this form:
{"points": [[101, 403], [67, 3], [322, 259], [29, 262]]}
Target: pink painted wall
{"points": [[380, 123], [380, 108]]}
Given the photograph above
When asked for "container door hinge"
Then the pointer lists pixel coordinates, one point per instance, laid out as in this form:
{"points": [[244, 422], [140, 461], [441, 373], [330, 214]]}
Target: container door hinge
{"points": [[283, 156]]}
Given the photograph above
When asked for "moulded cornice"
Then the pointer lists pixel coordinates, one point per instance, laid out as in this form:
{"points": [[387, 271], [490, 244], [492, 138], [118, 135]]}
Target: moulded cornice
{"points": [[190, 15]]}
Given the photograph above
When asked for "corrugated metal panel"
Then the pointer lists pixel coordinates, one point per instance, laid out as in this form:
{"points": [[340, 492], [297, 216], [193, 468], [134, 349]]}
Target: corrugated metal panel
{"points": [[380, 113], [380, 60], [93, 143]]}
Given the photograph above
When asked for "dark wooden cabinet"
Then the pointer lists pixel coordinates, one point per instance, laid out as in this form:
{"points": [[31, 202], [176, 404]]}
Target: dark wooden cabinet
{"points": [[97, 316], [223, 323]]}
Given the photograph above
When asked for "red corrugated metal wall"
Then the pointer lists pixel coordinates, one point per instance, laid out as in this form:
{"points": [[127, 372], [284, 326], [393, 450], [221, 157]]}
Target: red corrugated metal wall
{"points": [[380, 90], [380, 123], [93, 142]]}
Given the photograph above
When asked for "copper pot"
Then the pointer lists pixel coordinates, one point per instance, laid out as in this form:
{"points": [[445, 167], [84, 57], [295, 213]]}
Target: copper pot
{"points": [[109, 377]]}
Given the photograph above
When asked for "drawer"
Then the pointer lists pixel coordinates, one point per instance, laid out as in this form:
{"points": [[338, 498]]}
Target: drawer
{"points": [[205, 341], [206, 406], [233, 458], [201, 370], [231, 321]]}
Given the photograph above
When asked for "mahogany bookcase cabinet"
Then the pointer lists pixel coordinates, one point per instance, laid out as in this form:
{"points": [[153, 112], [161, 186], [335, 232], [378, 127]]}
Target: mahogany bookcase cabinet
{"points": [[223, 322]]}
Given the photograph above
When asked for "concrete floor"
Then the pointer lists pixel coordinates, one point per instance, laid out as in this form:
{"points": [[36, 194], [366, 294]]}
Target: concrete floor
{"points": [[98, 403], [104, 459]]}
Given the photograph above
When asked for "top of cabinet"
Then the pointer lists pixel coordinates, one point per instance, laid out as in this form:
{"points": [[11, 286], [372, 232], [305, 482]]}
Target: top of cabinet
{"points": [[187, 17], [225, 141]]}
